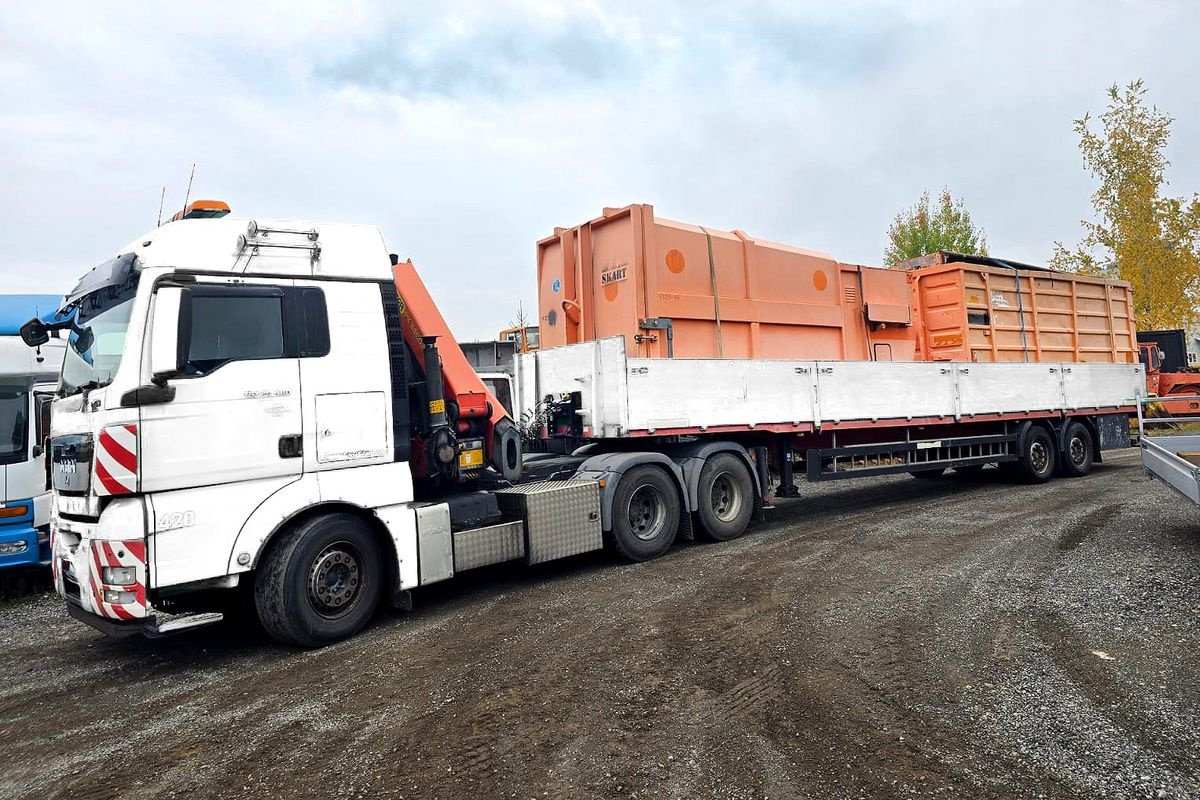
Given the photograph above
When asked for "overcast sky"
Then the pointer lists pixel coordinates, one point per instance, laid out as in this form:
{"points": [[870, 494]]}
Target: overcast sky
{"points": [[467, 131]]}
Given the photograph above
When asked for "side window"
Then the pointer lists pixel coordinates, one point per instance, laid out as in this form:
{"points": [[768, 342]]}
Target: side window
{"points": [[44, 403], [220, 323], [313, 323], [233, 325], [500, 388]]}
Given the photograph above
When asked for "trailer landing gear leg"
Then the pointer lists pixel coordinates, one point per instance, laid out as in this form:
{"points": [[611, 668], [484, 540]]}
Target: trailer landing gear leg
{"points": [[787, 477]]}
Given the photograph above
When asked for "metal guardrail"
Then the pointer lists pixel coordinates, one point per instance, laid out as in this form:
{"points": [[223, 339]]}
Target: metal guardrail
{"points": [[1143, 420], [1162, 459]]}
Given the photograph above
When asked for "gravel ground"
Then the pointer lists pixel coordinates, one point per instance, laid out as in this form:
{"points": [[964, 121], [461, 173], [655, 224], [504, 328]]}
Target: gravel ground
{"points": [[878, 638]]}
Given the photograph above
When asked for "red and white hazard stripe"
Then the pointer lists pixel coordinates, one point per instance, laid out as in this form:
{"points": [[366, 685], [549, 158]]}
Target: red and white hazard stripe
{"points": [[117, 460], [129, 553]]}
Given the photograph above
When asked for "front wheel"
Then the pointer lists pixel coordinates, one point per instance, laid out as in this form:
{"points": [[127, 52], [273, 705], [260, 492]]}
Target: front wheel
{"points": [[645, 513], [320, 582]]}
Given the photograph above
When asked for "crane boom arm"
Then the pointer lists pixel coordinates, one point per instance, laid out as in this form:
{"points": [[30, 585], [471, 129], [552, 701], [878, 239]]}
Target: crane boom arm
{"points": [[420, 318]]}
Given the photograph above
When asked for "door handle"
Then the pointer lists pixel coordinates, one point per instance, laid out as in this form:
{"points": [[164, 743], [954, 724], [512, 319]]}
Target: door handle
{"points": [[291, 446]]}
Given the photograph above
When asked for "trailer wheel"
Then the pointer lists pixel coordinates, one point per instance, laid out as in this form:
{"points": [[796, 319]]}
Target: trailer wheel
{"points": [[726, 498], [928, 474], [1037, 462], [645, 514], [1077, 451], [320, 582]]}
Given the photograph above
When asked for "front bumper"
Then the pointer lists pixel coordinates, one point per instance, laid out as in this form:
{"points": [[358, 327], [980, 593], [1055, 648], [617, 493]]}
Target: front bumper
{"points": [[79, 555], [78, 558]]}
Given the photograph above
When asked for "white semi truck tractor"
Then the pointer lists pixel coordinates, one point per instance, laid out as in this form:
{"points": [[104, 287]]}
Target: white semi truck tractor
{"points": [[277, 412]]}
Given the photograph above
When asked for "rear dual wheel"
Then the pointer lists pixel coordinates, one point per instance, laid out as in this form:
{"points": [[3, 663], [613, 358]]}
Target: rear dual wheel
{"points": [[1037, 458], [1078, 458], [726, 498], [647, 506], [646, 512]]}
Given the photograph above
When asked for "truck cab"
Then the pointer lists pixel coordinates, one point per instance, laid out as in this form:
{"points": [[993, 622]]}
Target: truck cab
{"points": [[251, 407], [28, 379]]}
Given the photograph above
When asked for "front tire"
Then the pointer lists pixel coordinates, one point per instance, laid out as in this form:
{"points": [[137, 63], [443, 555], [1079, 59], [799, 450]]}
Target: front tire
{"points": [[725, 498], [645, 513], [320, 583], [1077, 451], [1037, 462]]}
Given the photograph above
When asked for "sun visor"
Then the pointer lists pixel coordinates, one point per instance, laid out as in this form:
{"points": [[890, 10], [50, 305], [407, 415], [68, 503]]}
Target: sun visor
{"points": [[111, 273]]}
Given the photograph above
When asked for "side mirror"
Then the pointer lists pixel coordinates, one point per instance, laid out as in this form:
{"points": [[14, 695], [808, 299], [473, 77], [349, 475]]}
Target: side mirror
{"points": [[164, 334], [38, 451], [35, 333]]}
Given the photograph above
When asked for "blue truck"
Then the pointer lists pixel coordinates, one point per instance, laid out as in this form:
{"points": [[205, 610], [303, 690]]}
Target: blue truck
{"points": [[28, 379]]}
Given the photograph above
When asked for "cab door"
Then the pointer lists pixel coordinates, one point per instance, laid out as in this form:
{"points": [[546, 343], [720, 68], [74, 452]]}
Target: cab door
{"points": [[236, 410]]}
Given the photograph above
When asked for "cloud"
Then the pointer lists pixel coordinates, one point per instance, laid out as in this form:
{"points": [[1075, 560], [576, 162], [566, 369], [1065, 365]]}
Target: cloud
{"points": [[468, 131]]}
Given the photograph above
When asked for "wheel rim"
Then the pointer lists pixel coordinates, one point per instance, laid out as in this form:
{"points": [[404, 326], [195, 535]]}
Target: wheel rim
{"points": [[725, 499], [1039, 456], [647, 512], [335, 579], [1078, 450]]}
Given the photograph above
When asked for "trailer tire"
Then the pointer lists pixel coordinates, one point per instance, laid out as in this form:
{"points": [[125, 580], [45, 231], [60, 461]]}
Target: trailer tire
{"points": [[1037, 462], [320, 582], [645, 513], [928, 474], [1077, 456], [725, 498]]}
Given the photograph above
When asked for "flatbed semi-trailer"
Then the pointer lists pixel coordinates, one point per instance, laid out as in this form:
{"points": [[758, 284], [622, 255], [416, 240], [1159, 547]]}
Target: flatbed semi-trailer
{"points": [[275, 414]]}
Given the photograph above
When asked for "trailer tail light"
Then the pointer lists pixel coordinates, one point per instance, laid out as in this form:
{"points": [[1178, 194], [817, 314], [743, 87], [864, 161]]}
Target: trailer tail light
{"points": [[117, 460]]}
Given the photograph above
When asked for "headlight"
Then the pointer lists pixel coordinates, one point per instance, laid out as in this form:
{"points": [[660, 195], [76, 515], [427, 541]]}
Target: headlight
{"points": [[12, 548], [119, 576]]}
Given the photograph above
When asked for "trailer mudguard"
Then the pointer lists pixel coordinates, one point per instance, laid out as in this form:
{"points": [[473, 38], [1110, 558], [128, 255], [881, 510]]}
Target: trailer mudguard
{"points": [[609, 467], [691, 457]]}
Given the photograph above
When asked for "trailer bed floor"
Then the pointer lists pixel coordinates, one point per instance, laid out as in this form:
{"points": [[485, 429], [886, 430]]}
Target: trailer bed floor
{"points": [[887, 638]]}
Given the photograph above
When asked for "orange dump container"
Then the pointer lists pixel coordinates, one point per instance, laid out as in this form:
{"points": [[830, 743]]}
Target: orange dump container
{"points": [[683, 291], [978, 312]]}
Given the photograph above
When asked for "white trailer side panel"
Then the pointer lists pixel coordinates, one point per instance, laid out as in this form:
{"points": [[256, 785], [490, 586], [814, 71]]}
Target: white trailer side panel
{"points": [[988, 388], [872, 390], [621, 396], [688, 393], [1092, 385]]}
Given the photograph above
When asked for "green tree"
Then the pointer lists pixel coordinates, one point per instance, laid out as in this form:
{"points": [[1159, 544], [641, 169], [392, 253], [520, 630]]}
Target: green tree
{"points": [[920, 230], [1141, 236]]}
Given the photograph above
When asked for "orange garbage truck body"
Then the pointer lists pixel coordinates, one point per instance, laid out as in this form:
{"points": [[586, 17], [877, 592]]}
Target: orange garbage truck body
{"points": [[685, 291], [674, 290], [971, 308]]}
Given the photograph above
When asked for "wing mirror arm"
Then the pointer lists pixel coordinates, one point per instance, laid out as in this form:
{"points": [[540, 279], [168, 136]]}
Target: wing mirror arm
{"points": [[166, 350]]}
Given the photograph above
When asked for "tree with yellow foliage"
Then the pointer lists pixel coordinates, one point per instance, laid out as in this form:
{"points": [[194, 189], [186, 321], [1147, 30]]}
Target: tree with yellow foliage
{"points": [[1142, 237]]}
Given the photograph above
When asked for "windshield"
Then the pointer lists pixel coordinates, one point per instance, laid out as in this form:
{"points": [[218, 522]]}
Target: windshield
{"points": [[97, 338], [14, 423]]}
